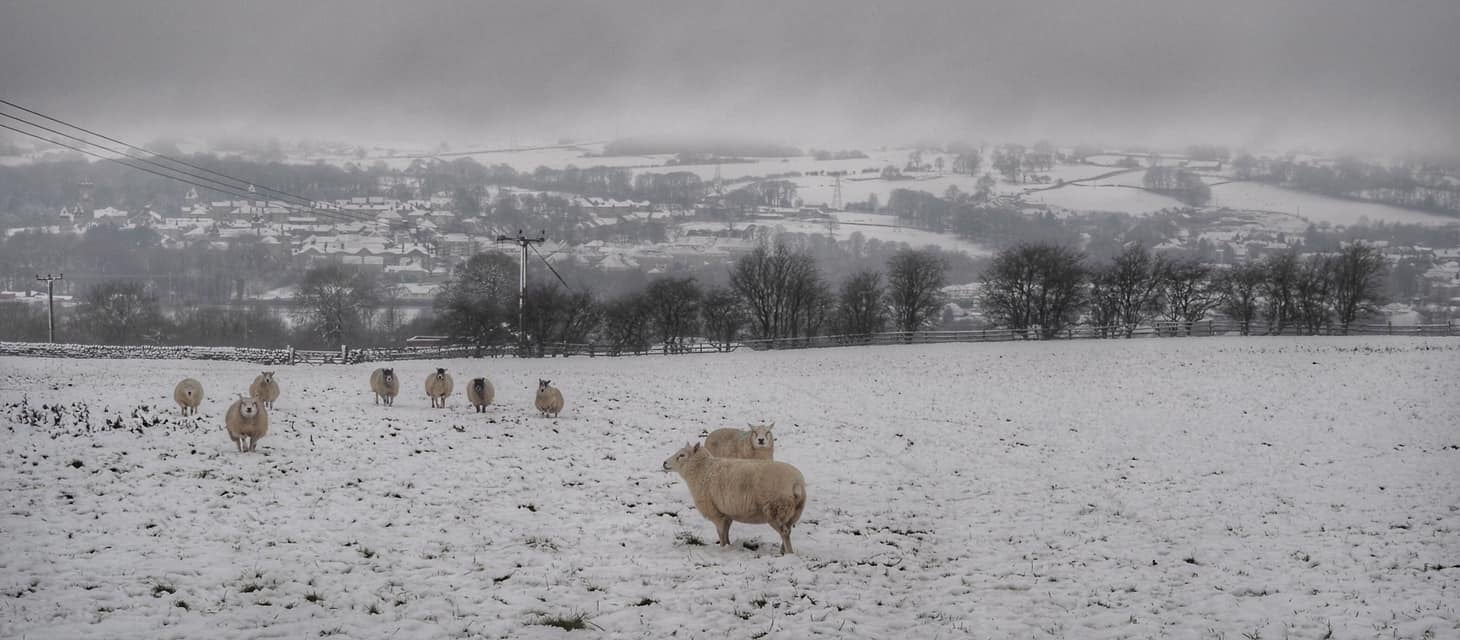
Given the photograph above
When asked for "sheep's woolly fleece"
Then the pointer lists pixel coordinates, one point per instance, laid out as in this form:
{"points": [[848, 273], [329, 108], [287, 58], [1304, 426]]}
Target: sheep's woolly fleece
{"points": [[1205, 487]]}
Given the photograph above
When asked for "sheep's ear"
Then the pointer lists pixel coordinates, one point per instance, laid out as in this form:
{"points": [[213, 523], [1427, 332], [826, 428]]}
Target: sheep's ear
{"points": [[696, 449], [770, 426]]}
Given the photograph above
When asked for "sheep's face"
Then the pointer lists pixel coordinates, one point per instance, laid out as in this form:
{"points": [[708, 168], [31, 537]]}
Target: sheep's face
{"points": [[389, 376], [268, 377], [543, 385], [678, 460], [480, 384], [248, 407], [761, 436], [440, 374]]}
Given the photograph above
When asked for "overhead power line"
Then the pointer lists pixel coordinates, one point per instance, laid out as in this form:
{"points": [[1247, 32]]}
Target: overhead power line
{"points": [[340, 216], [555, 271], [242, 188], [151, 153]]}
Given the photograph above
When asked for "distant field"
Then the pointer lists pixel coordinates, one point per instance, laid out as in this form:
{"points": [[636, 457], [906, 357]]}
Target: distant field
{"points": [[1262, 197], [1107, 194]]}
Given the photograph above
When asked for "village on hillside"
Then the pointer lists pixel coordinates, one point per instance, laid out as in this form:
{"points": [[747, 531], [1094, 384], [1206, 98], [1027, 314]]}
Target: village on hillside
{"points": [[693, 218]]}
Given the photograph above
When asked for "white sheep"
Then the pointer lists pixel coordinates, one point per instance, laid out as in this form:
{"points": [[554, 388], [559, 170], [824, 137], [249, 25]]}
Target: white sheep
{"points": [[480, 393], [549, 400], [265, 388], [438, 386], [756, 443], [247, 421], [729, 490], [188, 394], [385, 385]]}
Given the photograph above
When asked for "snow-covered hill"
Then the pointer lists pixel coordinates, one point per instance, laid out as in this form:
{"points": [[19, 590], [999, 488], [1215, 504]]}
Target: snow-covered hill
{"points": [[1159, 488]]}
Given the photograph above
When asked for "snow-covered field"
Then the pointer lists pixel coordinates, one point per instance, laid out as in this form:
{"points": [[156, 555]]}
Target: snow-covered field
{"points": [[1205, 487], [1256, 196]]}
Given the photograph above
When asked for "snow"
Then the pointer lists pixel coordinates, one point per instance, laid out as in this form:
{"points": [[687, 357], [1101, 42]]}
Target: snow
{"points": [[872, 226], [1203, 487], [1256, 196], [1080, 197]]}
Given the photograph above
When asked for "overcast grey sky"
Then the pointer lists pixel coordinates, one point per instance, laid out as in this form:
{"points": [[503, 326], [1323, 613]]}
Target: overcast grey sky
{"points": [[1328, 73]]}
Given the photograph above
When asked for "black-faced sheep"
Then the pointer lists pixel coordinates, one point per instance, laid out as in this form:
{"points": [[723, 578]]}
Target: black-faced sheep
{"points": [[729, 490], [385, 385], [438, 386], [480, 393]]}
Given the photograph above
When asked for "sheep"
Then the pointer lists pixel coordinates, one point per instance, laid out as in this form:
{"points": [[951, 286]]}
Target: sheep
{"points": [[247, 421], [758, 443], [438, 386], [480, 394], [188, 394], [385, 385], [729, 490], [549, 399], [265, 388]]}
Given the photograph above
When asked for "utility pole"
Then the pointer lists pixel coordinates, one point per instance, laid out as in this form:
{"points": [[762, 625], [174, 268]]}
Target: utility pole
{"points": [[50, 281], [524, 242]]}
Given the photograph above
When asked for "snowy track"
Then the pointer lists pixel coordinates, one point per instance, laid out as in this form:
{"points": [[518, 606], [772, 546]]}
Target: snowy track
{"points": [[1102, 489]]}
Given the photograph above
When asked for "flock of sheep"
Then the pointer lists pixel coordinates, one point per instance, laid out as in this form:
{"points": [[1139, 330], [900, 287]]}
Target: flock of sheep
{"points": [[732, 476]]}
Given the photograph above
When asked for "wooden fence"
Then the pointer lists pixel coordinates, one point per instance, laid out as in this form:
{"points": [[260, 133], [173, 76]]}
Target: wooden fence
{"points": [[345, 355]]}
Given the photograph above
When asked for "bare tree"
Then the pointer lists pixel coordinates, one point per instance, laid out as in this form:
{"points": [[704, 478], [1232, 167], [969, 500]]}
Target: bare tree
{"points": [[476, 306], [1357, 282], [723, 317], [1312, 293], [782, 289], [1240, 293], [336, 302], [1188, 293], [862, 310], [1035, 285], [119, 312], [1280, 279], [759, 279], [1104, 303], [673, 305], [554, 316], [627, 325], [1132, 283], [914, 288]]}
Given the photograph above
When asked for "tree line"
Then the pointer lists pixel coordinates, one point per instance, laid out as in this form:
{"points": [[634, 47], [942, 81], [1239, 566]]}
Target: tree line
{"points": [[1048, 288], [776, 291]]}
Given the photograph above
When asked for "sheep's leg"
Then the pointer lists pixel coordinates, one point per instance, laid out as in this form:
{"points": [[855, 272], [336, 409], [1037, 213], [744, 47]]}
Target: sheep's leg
{"points": [[785, 539], [722, 527]]}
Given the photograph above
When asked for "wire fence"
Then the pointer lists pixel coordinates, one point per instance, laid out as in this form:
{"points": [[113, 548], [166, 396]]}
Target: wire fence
{"points": [[346, 355]]}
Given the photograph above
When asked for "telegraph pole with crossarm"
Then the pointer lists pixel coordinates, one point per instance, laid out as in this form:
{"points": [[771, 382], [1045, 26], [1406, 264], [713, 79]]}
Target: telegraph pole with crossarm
{"points": [[50, 281], [524, 242]]}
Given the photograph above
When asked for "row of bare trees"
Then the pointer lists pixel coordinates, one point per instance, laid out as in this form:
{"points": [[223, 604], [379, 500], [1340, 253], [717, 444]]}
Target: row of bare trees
{"points": [[774, 292], [1051, 287]]}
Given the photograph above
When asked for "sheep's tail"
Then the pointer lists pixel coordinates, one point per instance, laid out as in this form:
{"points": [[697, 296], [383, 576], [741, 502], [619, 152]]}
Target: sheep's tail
{"points": [[798, 493]]}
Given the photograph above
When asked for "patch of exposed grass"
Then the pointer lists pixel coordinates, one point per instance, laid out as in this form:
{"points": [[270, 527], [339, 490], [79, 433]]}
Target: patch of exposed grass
{"points": [[689, 539], [569, 622], [313, 596]]}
